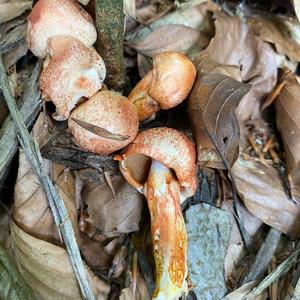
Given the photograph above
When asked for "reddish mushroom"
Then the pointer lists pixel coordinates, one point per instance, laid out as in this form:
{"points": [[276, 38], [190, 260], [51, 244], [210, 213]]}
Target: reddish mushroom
{"points": [[165, 86], [50, 18], [112, 120], [73, 71], [172, 177]]}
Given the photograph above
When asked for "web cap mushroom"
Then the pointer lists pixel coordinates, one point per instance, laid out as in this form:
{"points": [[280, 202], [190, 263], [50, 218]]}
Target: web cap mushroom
{"points": [[73, 71], [50, 18], [169, 150], [165, 86], [109, 111]]}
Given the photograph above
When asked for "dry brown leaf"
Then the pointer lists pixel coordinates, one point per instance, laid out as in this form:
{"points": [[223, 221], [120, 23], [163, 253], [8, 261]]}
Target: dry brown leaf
{"points": [[12, 9], [108, 213], [129, 8], [297, 8], [31, 209], [235, 44], [288, 123], [242, 292], [262, 192], [47, 269], [171, 38], [141, 292], [212, 105], [272, 29]]}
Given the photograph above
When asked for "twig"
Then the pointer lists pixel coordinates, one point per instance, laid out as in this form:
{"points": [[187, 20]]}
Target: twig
{"points": [[57, 205], [110, 27], [282, 269], [264, 256], [30, 107]]}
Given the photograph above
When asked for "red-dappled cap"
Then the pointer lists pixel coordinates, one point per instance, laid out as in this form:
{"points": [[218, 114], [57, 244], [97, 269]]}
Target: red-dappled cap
{"points": [[73, 72], [109, 111], [165, 86], [170, 147], [50, 18]]}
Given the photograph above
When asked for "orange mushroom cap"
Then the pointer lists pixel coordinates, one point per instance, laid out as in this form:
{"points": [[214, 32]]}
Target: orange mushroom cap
{"points": [[165, 86], [108, 110], [50, 18], [74, 71], [170, 147]]}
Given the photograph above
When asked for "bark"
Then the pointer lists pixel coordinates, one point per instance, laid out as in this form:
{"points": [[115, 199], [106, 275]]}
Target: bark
{"points": [[110, 27]]}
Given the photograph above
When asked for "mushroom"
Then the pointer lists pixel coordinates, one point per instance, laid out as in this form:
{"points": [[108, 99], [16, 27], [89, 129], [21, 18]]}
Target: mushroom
{"points": [[73, 71], [50, 18], [166, 176], [165, 86], [105, 123]]}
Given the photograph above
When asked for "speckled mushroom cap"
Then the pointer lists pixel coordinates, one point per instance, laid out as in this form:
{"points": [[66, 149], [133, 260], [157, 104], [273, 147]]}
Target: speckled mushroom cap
{"points": [[170, 147], [50, 18], [111, 111], [74, 71], [166, 85]]}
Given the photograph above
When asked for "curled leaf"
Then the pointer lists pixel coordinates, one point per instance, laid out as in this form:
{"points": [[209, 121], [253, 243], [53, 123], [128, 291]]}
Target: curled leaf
{"points": [[212, 104], [100, 131], [12, 9], [47, 269], [288, 123]]}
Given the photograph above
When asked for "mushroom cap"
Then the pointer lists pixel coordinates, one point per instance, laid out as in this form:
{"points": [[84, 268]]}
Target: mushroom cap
{"points": [[111, 111], [74, 71], [165, 86], [173, 78], [170, 147], [50, 18]]}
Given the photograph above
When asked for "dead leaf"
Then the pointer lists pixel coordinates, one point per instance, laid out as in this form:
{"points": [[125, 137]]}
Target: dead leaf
{"points": [[100, 131], [192, 14], [141, 292], [108, 213], [12, 284], [171, 38], [297, 8], [31, 209], [272, 29], [47, 269], [212, 103], [242, 292], [262, 192], [129, 8], [12, 9], [288, 123], [235, 44]]}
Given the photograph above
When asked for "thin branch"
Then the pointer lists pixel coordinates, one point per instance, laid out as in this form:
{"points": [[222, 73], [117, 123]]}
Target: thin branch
{"points": [[57, 205]]}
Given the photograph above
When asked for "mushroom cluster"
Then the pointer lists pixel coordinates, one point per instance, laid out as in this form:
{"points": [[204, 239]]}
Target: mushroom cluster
{"points": [[62, 32], [103, 121]]}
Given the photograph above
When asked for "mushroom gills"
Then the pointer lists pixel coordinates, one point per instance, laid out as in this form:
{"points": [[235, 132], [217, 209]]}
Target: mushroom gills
{"points": [[169, 237]]}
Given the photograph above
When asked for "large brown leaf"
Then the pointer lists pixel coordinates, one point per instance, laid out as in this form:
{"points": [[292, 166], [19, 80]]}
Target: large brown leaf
{"points": [[31, 209], [288, 123], [119, 213], [262, 192], [212, 104], [235, 44], [47, 270]]}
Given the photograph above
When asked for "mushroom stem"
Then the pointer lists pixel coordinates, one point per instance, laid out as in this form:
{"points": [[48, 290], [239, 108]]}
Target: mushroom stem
{"points": [[169, 237]]}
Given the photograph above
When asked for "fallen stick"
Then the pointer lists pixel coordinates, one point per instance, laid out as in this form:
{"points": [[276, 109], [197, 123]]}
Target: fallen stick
{"points": [[56, 203]]}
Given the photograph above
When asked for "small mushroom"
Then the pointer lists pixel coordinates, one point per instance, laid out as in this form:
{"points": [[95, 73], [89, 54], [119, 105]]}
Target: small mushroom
{"points": [[160, 163], [105, 123], [73, 71], [50, 18], [165, 86]]}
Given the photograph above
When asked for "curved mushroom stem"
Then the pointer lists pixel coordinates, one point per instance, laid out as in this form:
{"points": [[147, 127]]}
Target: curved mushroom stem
{"points": [[169, 237]]}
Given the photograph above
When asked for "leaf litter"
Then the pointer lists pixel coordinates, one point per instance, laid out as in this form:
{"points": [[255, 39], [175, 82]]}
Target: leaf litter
{"points": [[243, 116]]}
